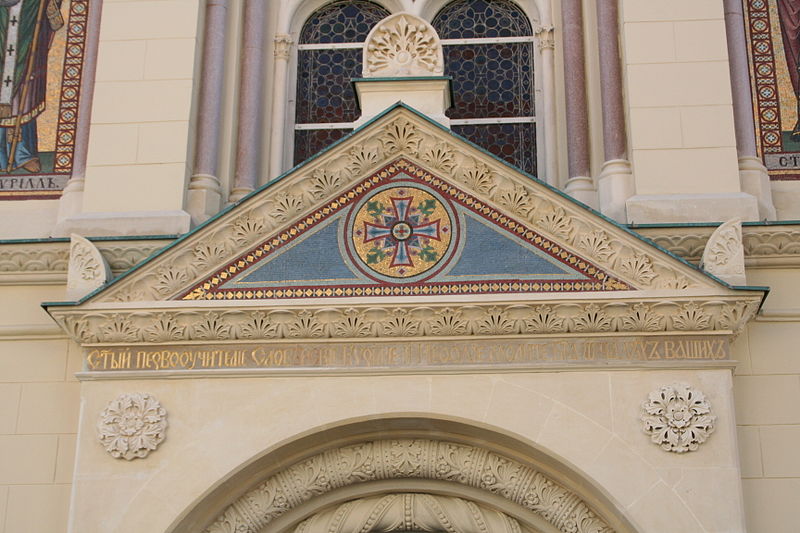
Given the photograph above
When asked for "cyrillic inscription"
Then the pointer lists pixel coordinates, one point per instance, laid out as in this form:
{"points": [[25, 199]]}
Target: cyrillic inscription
{"points": [[544, 352]]}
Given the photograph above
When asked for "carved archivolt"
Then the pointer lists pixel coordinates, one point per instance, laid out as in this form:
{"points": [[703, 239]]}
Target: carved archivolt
{"points": [[403, 45], [416, 459], [678, 418], [391, 322], [410, 512], [132, 425]]}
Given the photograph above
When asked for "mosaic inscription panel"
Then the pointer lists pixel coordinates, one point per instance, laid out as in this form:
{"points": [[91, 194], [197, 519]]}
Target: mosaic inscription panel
{"points": [[43, 43], [618, 351]]}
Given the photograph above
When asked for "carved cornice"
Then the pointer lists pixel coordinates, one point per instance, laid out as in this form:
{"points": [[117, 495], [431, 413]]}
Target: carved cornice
{"points": [[405, 321], [421, 460], [776, 245], [47, 262]]}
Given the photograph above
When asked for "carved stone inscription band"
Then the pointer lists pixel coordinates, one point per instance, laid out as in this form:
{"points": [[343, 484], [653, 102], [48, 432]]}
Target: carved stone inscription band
{"points": [[552, 352]]}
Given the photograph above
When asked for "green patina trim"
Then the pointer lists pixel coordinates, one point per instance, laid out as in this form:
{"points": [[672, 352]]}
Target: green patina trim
{"points": [[755, 223], [358, 130], [92, 239]]}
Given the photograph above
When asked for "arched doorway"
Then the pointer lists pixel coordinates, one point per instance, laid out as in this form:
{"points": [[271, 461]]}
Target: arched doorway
{"points": [[429, 471]]}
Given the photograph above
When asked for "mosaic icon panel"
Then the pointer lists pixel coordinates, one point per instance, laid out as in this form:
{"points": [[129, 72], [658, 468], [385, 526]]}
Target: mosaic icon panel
{"points": [[44, 43], [403, 232]]}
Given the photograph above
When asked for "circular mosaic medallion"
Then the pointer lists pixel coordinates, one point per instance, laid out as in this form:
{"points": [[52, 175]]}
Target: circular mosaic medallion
{"points": [[401, 233]]}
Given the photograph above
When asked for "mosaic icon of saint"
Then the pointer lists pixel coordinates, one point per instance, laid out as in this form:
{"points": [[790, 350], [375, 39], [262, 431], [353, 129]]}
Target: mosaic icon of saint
{"points": [[27, 28], [789, 15]]}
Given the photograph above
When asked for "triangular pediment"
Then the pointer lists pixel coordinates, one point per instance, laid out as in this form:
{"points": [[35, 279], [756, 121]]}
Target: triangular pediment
{"points": [[404, 217]]}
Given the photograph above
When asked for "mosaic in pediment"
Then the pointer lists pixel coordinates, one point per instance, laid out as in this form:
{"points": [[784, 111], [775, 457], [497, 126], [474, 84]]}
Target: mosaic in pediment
{"points": [[403, 231]]}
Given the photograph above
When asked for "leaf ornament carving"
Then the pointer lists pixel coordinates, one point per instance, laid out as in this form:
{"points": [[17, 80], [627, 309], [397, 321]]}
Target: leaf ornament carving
{"points": [[208, 253], [259, 326], [557, 223], [165, 329], [248, 228], [360, 159], [596, 244], [691, 317], [516, 199], [170, 279], [593, 319], [132, 425], [403, 45], [119, 329], [400, 136], [478, 177], [639, 268], [212, 326], [324, 183], [642, 318], [440, 157], [448, 322], [287, 206], [544, 320], [678, 418], [352, 325]]}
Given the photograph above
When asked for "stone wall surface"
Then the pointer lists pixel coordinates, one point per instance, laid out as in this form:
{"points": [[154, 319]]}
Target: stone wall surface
{"points": [[39, 405], [767, 393], [141, 108], [587, 419]]}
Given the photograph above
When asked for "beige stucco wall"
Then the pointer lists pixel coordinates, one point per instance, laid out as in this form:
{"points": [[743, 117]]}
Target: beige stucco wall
{"points": [[767, 392], [39, 403], [679, 97], [590, 420], [141, 108]]}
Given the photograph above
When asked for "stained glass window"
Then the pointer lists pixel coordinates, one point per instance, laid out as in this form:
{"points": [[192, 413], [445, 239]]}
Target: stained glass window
{"points": [[324, 92], [493, 81]]}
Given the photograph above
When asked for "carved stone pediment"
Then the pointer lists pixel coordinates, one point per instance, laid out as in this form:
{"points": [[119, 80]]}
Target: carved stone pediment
{"points": [[404, 231]]}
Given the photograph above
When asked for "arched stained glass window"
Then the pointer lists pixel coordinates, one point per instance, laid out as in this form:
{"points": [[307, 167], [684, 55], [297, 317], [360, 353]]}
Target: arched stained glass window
{"points": [[329, 56], [488, 50]]}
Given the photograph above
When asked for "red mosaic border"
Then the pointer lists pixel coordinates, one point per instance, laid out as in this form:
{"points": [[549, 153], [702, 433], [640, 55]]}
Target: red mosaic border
{"points": [[71, 79], [764, 84], [213, 287]]}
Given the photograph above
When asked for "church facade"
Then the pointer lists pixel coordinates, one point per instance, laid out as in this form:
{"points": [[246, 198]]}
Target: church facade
{"points": [[402, 265]]}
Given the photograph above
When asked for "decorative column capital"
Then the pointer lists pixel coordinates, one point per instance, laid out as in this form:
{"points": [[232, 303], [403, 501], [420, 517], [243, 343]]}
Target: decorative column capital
{"points": [[544, 37], [283, 44]]}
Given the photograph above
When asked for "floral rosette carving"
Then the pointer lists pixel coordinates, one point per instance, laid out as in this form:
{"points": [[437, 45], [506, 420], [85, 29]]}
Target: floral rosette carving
{"points": [[132, 425], [678, 418]]}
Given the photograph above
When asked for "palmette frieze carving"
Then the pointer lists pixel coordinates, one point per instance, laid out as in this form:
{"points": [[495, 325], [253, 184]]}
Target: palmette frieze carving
{"points": [[404, 140], [678, 418], [176, 326], [403, 45], [406, 458], [53, 257], [132, 425]]}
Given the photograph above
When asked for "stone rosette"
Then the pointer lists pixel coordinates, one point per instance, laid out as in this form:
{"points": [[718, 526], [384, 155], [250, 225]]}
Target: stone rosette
{"points": [[132, 425], [678, 418]]}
